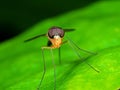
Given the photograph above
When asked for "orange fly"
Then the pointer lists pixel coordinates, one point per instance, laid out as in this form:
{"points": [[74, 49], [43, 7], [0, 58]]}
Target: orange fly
{"points": [[55, 37]]}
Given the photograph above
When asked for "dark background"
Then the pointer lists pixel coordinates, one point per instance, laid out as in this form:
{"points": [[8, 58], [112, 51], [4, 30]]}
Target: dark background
{"points": [[18, 15]]}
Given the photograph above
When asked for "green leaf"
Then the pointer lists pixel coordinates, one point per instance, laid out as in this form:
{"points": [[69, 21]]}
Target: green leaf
{"points": [[97, 29]]}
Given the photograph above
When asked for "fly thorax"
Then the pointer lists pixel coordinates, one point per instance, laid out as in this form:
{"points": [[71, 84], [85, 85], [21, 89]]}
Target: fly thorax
{"points": [[57, 40]]}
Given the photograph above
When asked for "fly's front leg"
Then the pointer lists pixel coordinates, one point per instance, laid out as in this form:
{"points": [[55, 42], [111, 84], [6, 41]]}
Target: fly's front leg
{"points": [[44, 67]]}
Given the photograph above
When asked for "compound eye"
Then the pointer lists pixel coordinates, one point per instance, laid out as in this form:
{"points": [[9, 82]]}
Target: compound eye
{"points": [[55, 31], [61, 33], [50, 35]]}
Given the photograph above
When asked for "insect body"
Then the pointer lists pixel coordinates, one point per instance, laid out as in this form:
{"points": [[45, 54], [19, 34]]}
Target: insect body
{"points": [[55, 37]]}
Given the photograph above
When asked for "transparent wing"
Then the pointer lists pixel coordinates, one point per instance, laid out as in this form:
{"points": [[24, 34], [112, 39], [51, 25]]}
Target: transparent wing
{"points": [[68, 30], [35, 37]]}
